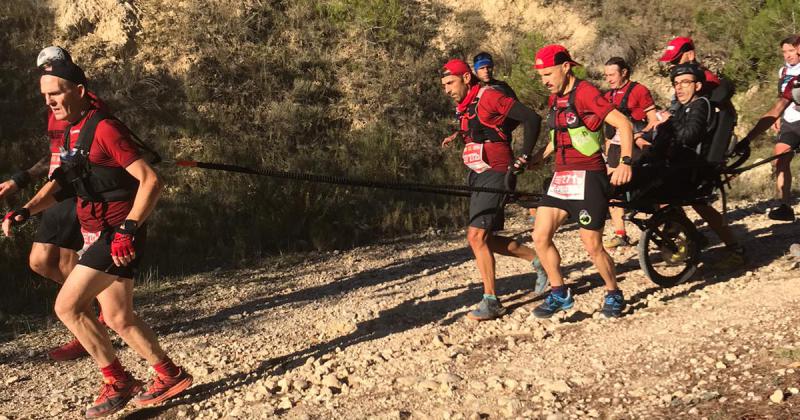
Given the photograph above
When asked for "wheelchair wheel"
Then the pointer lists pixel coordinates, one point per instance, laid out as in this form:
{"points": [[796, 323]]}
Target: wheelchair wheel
{"points": [[667, 253]]}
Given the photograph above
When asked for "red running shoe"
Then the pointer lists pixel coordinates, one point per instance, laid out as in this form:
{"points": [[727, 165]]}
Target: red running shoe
{"points": [[113, 396], [162, 388], [70, 351]]}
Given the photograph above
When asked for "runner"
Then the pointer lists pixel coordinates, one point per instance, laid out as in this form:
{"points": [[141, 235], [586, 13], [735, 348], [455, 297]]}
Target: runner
{"points": [[483, 64], [116, 190], [635, 101], [580, 185], [681, 51], [53, 253], [789, 139], [485, 115], [788, 127]]}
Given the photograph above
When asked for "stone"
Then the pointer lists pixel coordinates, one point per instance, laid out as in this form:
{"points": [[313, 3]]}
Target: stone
{"points": [[558, 387], [331, 381], [720, 365], [285, 404], [407, 380], [428, 385], [448, 378], [777, 396], [730, 357]]}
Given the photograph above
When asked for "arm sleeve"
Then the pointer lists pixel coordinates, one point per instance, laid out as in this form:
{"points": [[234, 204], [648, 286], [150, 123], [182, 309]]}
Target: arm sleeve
{"points": [[531, 123], [694, 126]]}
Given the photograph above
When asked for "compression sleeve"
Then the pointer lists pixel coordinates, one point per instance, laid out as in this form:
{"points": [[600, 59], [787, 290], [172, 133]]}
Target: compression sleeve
{"points": [[531, 122]]}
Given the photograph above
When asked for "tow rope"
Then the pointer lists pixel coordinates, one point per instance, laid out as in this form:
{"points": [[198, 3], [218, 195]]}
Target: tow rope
{"points": [[442, 189]]}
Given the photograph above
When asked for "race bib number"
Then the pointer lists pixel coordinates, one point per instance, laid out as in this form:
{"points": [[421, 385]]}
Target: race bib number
{"points": [[89, 238], [473, 157], [568, 185]]}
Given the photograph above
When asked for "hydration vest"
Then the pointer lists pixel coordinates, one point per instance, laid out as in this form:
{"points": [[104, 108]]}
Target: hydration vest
{"points": [[638, 125], [585, 141], [91, 182], [477, 130]]}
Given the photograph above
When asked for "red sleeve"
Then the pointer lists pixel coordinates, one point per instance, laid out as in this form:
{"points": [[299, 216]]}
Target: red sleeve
{"points": [[113, 140], [592, 105], [787, 91], [493, 107], [639, 101]]}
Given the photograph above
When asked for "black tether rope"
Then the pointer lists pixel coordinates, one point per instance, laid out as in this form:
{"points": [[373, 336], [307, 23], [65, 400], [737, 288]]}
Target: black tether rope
{"points": [[444, 189], [739, 170]]}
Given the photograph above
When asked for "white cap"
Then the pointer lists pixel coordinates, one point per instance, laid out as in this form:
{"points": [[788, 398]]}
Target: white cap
{"points": [[50, 54]]}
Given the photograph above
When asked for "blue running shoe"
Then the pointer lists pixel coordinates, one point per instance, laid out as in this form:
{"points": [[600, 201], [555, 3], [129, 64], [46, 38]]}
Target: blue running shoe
{"points": [[554, 304], [541, 276], [613, 305], [487, 310]]}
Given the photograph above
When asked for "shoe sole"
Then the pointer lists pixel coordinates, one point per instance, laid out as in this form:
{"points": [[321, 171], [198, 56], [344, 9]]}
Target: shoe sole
{"points": [[476, 318], [119, 407], [173, 391], [67, 359], [562, 309]]}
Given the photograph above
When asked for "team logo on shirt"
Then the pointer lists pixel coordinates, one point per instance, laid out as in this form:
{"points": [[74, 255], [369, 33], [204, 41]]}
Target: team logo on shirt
{"points": [[571, 118], [584, 218]]}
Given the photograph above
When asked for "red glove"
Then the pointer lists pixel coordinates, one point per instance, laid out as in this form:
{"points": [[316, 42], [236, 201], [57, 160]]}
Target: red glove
{"points": [[122, 245], [24, 213]]}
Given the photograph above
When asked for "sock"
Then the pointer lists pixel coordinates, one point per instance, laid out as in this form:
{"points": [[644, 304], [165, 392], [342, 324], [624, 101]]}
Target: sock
{"points": [[621, 232], [115, 371], [559, 291], [166, 368], [490, 297], [615, 292]]}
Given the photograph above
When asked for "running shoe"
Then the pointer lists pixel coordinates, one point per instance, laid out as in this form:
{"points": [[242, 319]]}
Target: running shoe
{"points": [[617, 241], [488, 309], [113, 396], [553, 304], [70, 351], [783, 213], [162, 388], [541, 276], [613, 305]]}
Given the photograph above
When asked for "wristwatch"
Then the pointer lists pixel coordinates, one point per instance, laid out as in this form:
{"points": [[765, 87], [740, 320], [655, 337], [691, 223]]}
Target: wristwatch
{"points": [[626, 160]]}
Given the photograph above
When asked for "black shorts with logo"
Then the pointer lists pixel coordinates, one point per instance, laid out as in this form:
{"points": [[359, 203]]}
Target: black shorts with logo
{"points": [[98, 254], [790, 133], [60, 226], [483, 206], [591, 212]]}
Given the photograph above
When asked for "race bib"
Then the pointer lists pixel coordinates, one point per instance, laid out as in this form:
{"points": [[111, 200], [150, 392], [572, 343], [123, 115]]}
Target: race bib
{"points": [[568, 185], [89, 238], [473, 157]]}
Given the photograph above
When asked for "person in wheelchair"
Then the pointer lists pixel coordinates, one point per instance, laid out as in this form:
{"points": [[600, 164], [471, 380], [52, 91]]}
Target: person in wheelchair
{"points": [[678, 168]]}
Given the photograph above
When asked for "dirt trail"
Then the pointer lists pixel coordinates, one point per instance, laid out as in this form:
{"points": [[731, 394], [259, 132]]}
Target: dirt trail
{"points": [[379, 332]]}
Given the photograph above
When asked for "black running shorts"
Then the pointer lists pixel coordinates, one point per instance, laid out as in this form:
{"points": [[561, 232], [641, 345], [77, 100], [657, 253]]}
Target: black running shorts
{"points": [[483, 206], [790, 133], [60, 226], [97, 255], [591, 212]]}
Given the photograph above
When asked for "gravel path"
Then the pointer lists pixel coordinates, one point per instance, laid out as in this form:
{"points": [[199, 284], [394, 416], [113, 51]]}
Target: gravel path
{"points": [[379, 332]]}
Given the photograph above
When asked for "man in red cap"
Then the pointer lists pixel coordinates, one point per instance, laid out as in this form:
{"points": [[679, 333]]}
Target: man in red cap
{"points": [[486, 119], [681, 51], [580, 186]]}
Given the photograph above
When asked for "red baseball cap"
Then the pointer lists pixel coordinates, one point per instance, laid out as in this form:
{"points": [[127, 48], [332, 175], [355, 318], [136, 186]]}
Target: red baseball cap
{"points": [[552, 55], [676, 47], [455, 67]]}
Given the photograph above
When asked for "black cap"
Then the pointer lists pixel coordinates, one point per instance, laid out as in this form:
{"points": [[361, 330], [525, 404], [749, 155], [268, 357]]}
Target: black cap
{"points": [[68, 71]]}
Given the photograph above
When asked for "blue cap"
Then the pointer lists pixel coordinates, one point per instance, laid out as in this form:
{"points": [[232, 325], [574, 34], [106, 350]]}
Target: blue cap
{"points": [[482, 60]]}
